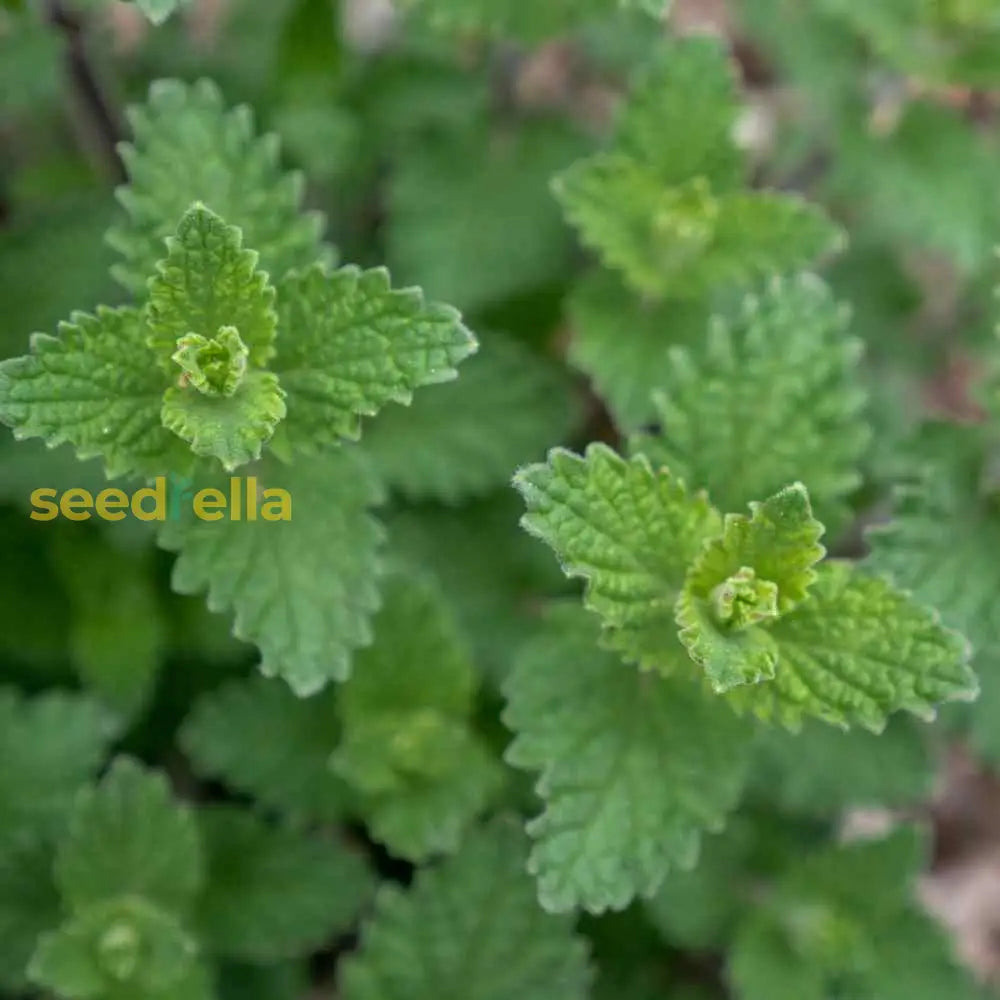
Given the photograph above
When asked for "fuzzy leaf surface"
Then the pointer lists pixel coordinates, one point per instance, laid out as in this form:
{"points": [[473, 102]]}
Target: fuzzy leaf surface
{"points": [[351, 343], [633, 767], [408, 745], [303, 590], [274, 893], [260, 739], [470, 927], [759, 568], [768, 398], [856, 651], [630, 532], [95, 386], [507, 406], [128, 837], [188, 146]]}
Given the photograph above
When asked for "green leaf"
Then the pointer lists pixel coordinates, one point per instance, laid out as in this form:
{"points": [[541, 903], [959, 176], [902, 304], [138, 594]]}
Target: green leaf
{"points": [[232, 428], [273, 893], [117, 948], [471, 928], [303, 590], [188, 147], [50, 745], [768, 398], [686, 240], [260, 739], [117, 633], [857, 650], [758, 569], [471, 219], [506, 408], [624, 343], [633, 767], [209, 282], [128, 837], [793, 770], [97, 387], [630, 532], [408, 745], [680, 115], [351, 343], [29, 906], [843, 919]]}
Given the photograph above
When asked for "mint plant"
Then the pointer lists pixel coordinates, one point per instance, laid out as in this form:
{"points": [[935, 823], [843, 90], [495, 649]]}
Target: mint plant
{"points": [[491, 497]]}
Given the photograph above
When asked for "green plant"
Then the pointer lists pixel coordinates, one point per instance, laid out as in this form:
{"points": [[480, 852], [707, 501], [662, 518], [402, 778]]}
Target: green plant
{"points": [[344, 710]]}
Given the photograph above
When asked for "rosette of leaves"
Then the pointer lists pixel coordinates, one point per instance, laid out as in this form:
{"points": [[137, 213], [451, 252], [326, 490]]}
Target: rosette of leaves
{"points": [[245, 349]]}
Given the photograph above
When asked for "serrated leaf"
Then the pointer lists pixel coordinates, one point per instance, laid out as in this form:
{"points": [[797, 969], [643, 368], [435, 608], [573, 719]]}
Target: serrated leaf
{"points": [[120, 947], [234, 428], [759, 568], [303, 590], [189, 147], [260, 739], [680, 114], [50, 745], [351, 343], [624, 343], [633, 767], [471, 219], [793, 770], [209, 281], [686, 240], [29, 906], [505, 409], [274, 893], [469, 928], [856, 651], [128, 837], [843, 919], [408, 745], [630, 532], [767, 398], [96, 387]]}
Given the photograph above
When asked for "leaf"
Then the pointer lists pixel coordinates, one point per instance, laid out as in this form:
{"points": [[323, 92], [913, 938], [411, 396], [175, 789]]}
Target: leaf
{"points": [[686, 240], [857, 650], [51, 745], [128, 837], [471, 219], [506, 408], [680, 115], [120, 947], [471, 928], [351, 343], [209, 281], [629, 532], [793, 770], [231, 428], [260, 739], [408, 745], [758, 569], [303, 590], [768, 398], [624, 343], [274, 893], [843, 918], [29, 906], [188, 147], [632, 767], [96, 387]]}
